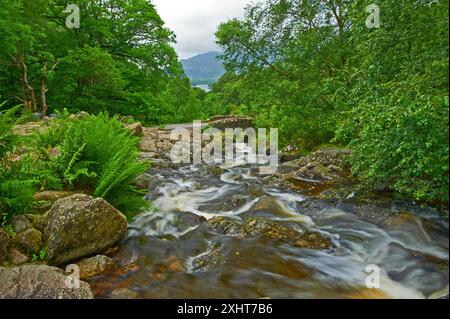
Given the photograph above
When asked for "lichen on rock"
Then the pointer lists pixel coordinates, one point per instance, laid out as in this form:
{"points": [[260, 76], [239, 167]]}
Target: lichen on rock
{"points": [[80, 226]]}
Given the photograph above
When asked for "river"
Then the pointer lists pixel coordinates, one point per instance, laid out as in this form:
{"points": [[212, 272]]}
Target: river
{"points": [[169, 254]]}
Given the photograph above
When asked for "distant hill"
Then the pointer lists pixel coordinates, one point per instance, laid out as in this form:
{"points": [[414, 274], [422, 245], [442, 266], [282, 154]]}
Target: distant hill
{"points": [[203, 68]]}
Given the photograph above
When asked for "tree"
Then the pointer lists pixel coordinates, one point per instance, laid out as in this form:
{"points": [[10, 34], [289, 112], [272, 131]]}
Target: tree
{"points": [[314, 69], [121, 54]]}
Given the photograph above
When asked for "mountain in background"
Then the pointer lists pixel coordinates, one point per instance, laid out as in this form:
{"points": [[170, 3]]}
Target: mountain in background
{"points": [[204, 68]]}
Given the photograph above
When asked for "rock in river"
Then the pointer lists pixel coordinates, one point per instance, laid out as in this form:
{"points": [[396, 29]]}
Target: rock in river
{"points": [[270, 230], [94, 266], [81, 226]]}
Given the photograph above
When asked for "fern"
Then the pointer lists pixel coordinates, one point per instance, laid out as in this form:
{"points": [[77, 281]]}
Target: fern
{"points": [[16, 185], [95, 154]]}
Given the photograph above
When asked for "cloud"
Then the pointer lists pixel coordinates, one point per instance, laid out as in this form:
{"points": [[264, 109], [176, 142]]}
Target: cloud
{"points": [[195, 21]]}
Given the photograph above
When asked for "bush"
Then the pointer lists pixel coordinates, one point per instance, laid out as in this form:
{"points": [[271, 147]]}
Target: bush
{"points": [[16, 189], [95, 154], [400, 138]]}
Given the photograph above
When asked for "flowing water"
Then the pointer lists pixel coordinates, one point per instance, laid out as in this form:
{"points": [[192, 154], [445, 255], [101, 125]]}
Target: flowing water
{"points": [[168, 254]]}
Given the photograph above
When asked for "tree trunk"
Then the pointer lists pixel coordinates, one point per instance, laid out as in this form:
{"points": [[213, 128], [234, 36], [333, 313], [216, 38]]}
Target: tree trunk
{"points": [[30, 97], [43, 91]]}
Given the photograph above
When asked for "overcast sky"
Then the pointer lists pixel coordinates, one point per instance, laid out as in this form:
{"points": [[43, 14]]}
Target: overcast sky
{"points": [[195, 22]]}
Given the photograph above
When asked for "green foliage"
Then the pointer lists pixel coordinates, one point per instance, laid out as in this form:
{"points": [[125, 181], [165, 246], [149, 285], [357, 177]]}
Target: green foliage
{"points": [[281, 60], [89, 80], [41, 256], [16, 188], [96, 154], [121, 60], [397, 121], [7, 120], [318, 73]]}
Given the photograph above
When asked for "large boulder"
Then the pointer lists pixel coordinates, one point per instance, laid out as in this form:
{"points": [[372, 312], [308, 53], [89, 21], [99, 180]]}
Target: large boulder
{"points": [[39, 282], [81, 226]]}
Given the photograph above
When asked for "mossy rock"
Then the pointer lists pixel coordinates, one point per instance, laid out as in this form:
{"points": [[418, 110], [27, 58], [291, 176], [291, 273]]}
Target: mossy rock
{"points": [[81, 226]]}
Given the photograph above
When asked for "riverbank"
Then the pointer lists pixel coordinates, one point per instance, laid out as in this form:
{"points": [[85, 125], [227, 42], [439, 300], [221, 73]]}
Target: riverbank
{"points": [[215, 227]]}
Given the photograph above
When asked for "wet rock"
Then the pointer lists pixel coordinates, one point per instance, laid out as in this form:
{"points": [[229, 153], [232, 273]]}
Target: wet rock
{"points": [[270, 230], [238, 200], [338, 193], [39, 282], [255, 191], [367, 293], [288, 167], [124, 293], [272, 205], [135, 128], [79, 226], [215, 170], [227, 227], [94, 266], [274, 230], [30, 240], [111, 252], [314, 173], [175, 265], [208, 261], [17, 258], [190, 219]]}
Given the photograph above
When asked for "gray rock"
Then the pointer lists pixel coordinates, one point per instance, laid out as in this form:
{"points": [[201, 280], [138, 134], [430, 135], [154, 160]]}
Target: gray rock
{"points": [[39, 282], [20, 223], [80, 226]]}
